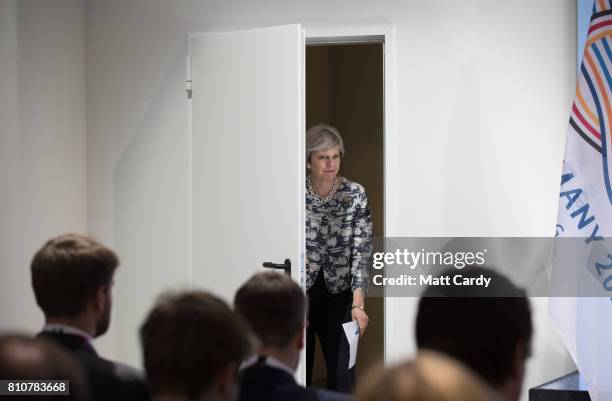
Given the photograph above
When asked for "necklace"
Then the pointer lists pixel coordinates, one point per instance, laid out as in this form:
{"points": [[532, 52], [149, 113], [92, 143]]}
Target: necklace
{"points": [[317, 200]]}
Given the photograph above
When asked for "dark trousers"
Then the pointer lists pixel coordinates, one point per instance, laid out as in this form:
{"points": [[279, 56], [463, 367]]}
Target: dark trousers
{"points": [[326, 314]]}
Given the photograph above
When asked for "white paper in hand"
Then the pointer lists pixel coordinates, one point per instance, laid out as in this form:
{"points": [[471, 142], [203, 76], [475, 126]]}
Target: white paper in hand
{"points": [[351, 329]]}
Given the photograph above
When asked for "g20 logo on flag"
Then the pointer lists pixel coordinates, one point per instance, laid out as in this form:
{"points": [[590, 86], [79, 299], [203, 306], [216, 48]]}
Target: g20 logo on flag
{"points": [[591, 115]]}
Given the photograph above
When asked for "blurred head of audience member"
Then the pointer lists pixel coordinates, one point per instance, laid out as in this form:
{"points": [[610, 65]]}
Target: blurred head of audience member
{"points": [[275, 308], [193, 345], [488, 329], [72, 277], [25, 358], [430, 377]]}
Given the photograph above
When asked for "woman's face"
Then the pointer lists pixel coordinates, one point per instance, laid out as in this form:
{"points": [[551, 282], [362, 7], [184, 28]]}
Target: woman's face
{"points": [[324, 164]]}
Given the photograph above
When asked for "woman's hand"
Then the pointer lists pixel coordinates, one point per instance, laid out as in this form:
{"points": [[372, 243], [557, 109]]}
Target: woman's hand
{"points": [[358, 311], [362, 319]]}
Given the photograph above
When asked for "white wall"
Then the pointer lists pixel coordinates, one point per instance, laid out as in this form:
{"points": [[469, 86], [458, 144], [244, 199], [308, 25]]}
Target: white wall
{"points": [[42, 142], [483, 92], [483, 96]]}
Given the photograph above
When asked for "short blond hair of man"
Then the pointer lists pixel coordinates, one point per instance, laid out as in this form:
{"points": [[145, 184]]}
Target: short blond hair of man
{"points": [[429, 377]]}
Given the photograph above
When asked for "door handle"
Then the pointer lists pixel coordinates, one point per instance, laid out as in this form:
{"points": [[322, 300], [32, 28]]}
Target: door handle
{"points": [[284, 266]]}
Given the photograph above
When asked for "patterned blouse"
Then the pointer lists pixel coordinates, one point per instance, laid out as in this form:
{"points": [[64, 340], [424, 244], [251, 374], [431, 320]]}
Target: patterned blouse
{"points": [[338, 237]]}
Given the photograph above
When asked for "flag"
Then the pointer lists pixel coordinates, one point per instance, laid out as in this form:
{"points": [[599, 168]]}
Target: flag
{"points": [[584, 320]]}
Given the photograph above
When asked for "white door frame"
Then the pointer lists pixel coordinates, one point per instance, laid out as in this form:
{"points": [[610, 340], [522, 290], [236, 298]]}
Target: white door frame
{"points": [[391, 201], [355, 34]]}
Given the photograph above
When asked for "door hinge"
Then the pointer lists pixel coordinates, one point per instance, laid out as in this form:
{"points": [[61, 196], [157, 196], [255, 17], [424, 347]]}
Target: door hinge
{"points": [[188, 78]]}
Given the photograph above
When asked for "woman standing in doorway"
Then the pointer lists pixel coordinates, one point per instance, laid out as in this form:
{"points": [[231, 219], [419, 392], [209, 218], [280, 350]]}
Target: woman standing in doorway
{"points": [[338, 245]]}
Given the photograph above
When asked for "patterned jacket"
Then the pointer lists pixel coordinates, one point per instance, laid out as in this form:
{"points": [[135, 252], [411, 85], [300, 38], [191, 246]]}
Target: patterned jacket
{"points": [[339, 237]]}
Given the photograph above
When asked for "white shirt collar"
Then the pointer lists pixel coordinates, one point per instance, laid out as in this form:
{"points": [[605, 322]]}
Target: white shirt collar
{"points": [[270, 362], [275, 363], [65, 329]]}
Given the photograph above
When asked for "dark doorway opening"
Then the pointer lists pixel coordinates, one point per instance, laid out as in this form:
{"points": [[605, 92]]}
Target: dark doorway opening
{"points": [[345, 88]]}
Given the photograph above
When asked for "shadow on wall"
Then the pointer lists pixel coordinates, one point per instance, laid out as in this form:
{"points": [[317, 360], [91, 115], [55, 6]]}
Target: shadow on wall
{"points": [[151, 201]]}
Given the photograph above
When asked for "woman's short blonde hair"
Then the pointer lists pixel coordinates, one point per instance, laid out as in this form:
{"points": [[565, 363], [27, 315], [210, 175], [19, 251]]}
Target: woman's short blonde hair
{"points": [[323, 137]]}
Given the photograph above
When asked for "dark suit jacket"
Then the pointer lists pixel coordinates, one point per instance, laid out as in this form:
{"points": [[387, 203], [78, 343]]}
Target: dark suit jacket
{"points": [[264, 383], [107, 380]]}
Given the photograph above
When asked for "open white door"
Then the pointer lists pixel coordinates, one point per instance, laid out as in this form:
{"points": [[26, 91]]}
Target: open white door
{"points": [[247, 129]]}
